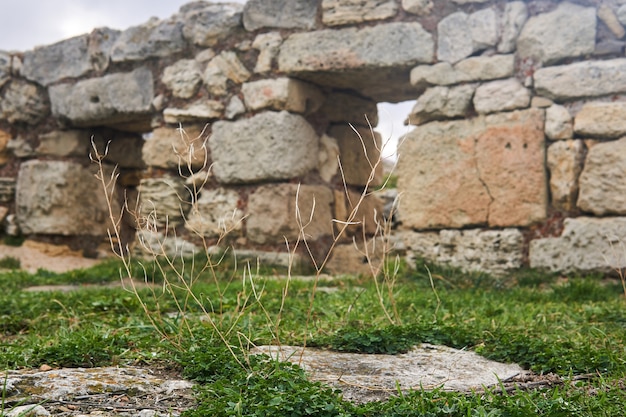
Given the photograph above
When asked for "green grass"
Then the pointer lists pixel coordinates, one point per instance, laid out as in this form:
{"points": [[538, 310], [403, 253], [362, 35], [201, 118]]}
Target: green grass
{"points": [[568, 327]]}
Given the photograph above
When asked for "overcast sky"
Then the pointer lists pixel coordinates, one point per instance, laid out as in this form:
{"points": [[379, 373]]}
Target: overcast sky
{"points": [[25, 24]]}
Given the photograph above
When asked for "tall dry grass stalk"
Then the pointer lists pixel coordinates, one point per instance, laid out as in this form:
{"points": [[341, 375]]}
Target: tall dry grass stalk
{"points": [[181, 271]]}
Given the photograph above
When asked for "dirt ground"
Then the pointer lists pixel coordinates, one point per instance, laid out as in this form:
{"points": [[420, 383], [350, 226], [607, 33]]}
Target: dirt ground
{"points": [[35, 255]]}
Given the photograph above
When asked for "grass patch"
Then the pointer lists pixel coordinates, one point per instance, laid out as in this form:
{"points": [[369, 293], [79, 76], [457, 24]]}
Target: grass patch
{"points": [[569, 327]]}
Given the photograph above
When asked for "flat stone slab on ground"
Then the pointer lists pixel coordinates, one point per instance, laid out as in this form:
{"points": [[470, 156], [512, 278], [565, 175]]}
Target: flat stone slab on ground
{"points": [[373, 377]]}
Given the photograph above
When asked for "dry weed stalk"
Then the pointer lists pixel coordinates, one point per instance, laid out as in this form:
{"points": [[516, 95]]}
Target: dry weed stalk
{"points": [[183, 267]]}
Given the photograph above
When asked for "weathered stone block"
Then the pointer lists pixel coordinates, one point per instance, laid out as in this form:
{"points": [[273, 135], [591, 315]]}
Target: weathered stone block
{"points": [[418, 7], [582, 79], [608, 17], [480, 68], [283, 14], [268, 146], [216, 214], [225, 66], [364, 212], [484, 171], [440, 103], [358, 152], [207, 24], [603, 180], [328, 158], [565, 162], [69, 58], [109, 100], [460, 34], [342, 12], [586, 244], [515, 15], [268, 45], [23, 102], [566, 32], [501, 95], [183, 78], [163, 202], [155, 38], [280, 201], [62, 198], [386, 45], [492, 251], [358, 258], [558, 123], [172, 148], [601, 120], [7, 189], [199, 112], [282, 94]]}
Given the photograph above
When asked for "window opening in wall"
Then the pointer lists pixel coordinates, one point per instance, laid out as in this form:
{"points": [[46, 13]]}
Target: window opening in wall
{"points": [[391, 117]]}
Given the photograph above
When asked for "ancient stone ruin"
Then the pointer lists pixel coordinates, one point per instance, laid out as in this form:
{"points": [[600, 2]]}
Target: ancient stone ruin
{"points": [[519, 155]]}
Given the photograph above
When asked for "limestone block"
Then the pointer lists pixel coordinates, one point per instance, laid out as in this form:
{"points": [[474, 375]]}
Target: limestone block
{"points": [[343, 12], [565, 162], [282, 94], [358, 258], [183, 78], [608, 17], [225, 66], [582, 79], [150, 244], [163, 202], [418, 7], [501, 95], [268, 45], [363, 213], [460, 35], [109, 100], [515, 15], [358, 152], [621, 14], [601, 120], [234, 108], [280, 200], [7, 189], [20, 147], [440, 103], [5, 67], [328, 158], [485, 171], [558, 123], [209, 23], [64, 143], [283, 14], [603, 180], [5, 137], [566, 32], [61, 198], [541, 102], [480, 68], [216, 214], [172, 148], [586, 244], [494, 251], [200, 111], [384, 45], [23, 102], [268, 146], [70, 58], [350, 108], [155, 38]]}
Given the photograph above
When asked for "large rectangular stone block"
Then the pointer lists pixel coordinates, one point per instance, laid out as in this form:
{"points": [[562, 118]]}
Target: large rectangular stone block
{"points": [[484, 171]]}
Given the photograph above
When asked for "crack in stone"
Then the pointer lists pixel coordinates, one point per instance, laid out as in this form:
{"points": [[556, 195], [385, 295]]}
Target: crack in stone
{"points": [[482, 181]]}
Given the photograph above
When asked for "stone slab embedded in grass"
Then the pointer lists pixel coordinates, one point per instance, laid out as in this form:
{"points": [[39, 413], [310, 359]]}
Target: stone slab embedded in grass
{"points": [[373, 377]]}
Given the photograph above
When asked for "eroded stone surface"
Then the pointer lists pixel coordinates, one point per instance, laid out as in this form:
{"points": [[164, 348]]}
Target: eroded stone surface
{"points": [[162, 202], [280, 200], [216, 213], [501, 95], [173, 148], [23, 103], [365, 378], [183, 77], [284, 14], [568, 31], [565, 162], [245, 151], [601, 120], [201, 111], [155, 38], [341, 12], [484, 171], [515, 15], [603, 180], [460, 34], [440, 103], [559, 124], [282, 94], [205, 24], [358, 151], [586, 244], [481, 68]]}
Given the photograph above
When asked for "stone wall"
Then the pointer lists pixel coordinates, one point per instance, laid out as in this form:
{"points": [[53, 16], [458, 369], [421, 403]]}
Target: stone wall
{"points": [[519, 156]]}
